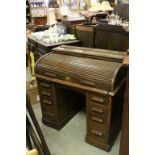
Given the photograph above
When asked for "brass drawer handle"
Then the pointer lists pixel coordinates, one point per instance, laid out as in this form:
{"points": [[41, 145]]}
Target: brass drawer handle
{"points": [[96, 132], [47, 102], [44, 85], [97, 99], [88, 83], [45, 93], [97, 119], [97, 110]]}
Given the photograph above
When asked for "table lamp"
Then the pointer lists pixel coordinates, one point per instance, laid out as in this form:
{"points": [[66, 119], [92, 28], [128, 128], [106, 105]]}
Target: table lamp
{"points": [[50, 12]]}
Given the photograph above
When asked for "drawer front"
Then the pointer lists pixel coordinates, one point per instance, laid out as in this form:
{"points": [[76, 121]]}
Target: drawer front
{"points": [[96, 118], [98, 132], [100, 110], [45, 92], [104, 100], [46, 89], [49, 117], [48, 109], [46, 100], [44, 84]]}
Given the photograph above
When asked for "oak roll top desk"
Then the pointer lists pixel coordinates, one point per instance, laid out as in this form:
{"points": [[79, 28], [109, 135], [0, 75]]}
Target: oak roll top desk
{"points": [[69, 77]]}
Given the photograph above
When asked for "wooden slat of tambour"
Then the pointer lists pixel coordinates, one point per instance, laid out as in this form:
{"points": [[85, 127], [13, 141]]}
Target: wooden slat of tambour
{"points": [[106, 84], [81, 66], [56, 60], [105, 69], [85, 72], [73, 75], [97, 69], [97, 63]]}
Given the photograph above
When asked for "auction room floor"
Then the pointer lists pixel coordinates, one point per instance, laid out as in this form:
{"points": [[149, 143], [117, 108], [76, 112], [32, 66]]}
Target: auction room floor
{"points": [[70, 140]]}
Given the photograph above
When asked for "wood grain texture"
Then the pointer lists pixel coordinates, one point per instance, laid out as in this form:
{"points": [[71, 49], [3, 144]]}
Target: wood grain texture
{"points": [[79, 69], [86, 35], [75, 76], [124, 144], [111, 37]]}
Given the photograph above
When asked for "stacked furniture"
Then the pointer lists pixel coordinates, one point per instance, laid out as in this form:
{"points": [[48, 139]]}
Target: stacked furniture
{"points": [[86, 34], [71, 24], [103, 36], [111, 37]]}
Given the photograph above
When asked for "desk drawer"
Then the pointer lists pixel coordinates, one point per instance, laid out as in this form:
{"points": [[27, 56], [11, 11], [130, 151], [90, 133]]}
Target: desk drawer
{"points": [[44, 84], [48, 109], [98, 109], [49, 117], [104, 100], [46, 91], [96, 118], [46, 100], [98, 132]]}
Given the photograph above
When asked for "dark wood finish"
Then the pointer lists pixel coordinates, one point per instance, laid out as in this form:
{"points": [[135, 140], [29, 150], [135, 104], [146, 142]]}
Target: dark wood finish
{"points": [[71, 25], [72, 79], [28, 12], [86, 34], [39, 49], [34, 138], [28, 140], [104, 120], [111, 37], [40, 20], [100, 54], [122, 10], [103, 36], [40, 144], [124, 144]]}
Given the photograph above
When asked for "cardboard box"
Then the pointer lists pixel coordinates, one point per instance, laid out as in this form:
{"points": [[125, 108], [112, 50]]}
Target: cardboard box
{"points": [[32, 91]]}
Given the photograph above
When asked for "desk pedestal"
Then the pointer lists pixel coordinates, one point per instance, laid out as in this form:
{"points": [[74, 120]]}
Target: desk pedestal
{"points": [[59, 103]]}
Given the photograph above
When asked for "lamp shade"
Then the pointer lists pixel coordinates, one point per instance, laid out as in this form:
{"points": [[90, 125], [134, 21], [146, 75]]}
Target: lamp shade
{"points": [[50, 16], [104, 6], [64, 10]]}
